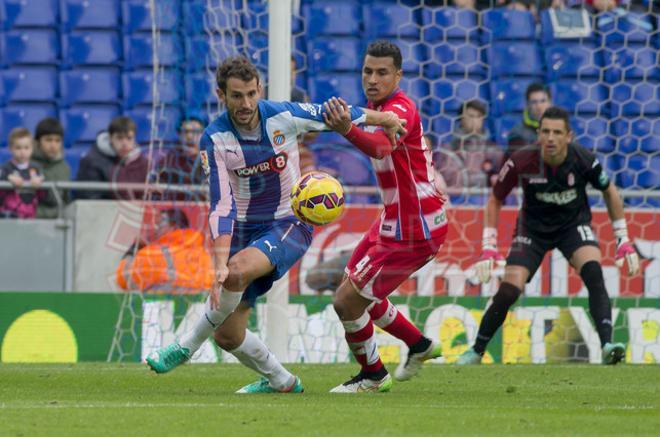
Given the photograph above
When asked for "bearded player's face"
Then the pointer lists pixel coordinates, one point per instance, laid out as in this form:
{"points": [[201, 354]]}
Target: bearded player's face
{"points": [[554, 137], [379, 77], [241, 99]]}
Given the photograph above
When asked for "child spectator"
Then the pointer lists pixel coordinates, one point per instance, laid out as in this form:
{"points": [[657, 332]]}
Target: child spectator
{"points": [[49, 154], [22, 173]]}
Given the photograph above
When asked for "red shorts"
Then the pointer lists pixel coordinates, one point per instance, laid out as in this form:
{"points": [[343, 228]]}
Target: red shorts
{"points": [[379, 265]]}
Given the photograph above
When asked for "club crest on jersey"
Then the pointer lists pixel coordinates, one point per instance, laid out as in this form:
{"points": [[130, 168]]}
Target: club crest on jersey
{"points": [[571, 179], [278, 138], [276, 164]]}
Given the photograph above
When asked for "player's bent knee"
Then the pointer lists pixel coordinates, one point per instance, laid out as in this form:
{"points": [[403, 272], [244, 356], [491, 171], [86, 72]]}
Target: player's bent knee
{"points": [[227, 341], [239, 276]]}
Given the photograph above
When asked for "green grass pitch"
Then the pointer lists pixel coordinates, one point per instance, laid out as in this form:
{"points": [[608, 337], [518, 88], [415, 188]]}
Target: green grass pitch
{"points": [[127, 399]]}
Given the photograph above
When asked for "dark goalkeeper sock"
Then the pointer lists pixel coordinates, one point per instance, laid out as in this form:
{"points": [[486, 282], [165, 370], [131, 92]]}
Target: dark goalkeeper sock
{"points": [[495, 315], [599, 302]]}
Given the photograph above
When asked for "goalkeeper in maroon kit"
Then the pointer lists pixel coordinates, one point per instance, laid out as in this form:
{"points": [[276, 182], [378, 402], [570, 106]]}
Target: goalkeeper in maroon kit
{"points": [[555, 214]]}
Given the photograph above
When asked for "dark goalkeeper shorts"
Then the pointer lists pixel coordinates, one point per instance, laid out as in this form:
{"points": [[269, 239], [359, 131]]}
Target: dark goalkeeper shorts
{"points": [[528, 248]]}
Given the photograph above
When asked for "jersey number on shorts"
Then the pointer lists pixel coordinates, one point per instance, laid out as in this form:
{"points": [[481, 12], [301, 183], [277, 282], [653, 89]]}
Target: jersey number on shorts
{"points": [[586, 233]]}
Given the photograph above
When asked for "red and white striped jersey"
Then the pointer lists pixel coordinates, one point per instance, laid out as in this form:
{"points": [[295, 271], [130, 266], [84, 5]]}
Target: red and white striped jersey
{"points": [[413, 207]]}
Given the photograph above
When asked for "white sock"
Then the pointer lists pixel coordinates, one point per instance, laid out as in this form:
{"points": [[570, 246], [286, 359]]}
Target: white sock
{"points": [[210, 320], [254, 354]]}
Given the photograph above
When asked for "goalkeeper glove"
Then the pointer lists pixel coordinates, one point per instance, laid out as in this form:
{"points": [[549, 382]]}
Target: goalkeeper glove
{"points": [[489, 256], [625, 251]]}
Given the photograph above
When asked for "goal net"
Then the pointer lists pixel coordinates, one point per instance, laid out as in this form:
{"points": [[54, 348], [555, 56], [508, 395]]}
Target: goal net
{"points": [[601, 67]]}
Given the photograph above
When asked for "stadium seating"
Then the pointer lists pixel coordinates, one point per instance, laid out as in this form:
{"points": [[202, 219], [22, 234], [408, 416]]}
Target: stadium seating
{"points": [[138, 50], [639, 171], [636, 98], [502, 126], [619, 28], [351, 166], [580, 97], [593, 133], [448, 95], [200, 88], [507, 24], [455, 58], [195, 14], [25, 115], [86, 14], [508, 95], [520, 58], [83, 123], [332, 18], [30, 46], [136, 15], [416, 88], [91, 48], [30, 13], [631, 63], [347, 85], [572, 60], [334, 54], [390, 20], [137, 86], [90, 85], [442, 128], [637, 135], [442, 24], [167, 121], [73, 155], [203, 52], [30, 84]]}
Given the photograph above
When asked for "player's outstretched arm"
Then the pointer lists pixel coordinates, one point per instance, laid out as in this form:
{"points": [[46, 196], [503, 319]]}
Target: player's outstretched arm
{"points": [[490, 257], [625, 251]]}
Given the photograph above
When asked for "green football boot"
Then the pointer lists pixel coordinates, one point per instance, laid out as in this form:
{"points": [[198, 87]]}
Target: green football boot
{"points": [[613, 353], [469, 357], [263, 386], [167, 358], [413, 363]]}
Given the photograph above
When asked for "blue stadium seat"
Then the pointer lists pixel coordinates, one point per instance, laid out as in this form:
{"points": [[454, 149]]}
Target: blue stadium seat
{"points": [[515, 59], [416, 88], [83, 123], [200, 88], [448, 95], [85, 14], [580, 96], [30, 46], [138, 50], [137, 16], [442, 24], [414, 56], [138, 90], [650, 176], [572, 60], [349, 165], [502, 126], [334, 54], [5, 154], [510, 24], [390, 20], [73, 156], [637, 135], [91, 48], [24, 115], [636, 98], [455, 58], [225, 15], [508, 95], [332, 18], [30, 13], [90, 85], [199, 55], [593, 133], [625, 28], [631, 62], [640, 171], [166, 123], [442, 128], [347, 85], [30, 84]]}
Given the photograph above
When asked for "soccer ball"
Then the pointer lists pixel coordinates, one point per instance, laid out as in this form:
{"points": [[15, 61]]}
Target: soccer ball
{"points": [[317, 198]]}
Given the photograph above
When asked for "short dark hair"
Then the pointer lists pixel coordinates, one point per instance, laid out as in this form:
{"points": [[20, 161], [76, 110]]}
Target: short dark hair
{"points": [[239, 67], [475, 104], [48, 126], [535, 87], [385, 49], [556, 113], [121, 125], [187, 119]]}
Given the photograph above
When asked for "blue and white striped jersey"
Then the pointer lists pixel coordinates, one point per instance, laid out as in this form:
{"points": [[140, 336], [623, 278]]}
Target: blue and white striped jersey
{"points": [[250, 181]]}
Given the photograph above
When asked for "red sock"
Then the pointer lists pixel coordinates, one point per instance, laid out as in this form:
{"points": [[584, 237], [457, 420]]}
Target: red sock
{"points": [[362, 342], [387, 317]]}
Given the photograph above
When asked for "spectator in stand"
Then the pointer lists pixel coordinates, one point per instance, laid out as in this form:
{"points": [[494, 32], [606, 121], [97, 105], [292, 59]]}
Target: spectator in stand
{"points": [[96, 166], [472, 144], [176, 261], [24, 175], [49, 154], [131, 166], [538, 100], [182, 165]]}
